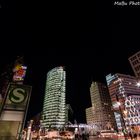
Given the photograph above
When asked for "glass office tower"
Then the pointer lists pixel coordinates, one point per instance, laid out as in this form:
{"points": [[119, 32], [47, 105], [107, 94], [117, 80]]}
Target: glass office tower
{"points": [[54, 102]]}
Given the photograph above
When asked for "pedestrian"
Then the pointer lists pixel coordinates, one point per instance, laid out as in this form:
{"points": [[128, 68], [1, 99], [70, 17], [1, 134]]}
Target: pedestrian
{"points": [[133, 133], [130, 135], [23, 135], [135, 136]]}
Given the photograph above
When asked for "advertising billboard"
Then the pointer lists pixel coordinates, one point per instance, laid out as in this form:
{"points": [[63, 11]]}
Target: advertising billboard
{"points": [[19, 72]]}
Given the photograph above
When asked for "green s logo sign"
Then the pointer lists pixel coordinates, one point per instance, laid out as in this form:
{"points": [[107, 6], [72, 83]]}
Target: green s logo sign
{"points": [[17, 95]]}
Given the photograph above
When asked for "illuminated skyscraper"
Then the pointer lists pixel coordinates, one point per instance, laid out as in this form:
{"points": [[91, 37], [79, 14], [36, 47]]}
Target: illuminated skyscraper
{"points": [[135, 63], [125, 96], [100, 113], [100, 96], [89, 115], [54, 102], [69, 113]]}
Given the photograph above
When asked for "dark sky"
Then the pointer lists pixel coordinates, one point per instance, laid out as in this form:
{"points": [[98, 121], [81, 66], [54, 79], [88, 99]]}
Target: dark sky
{"points": [[90, 43]]}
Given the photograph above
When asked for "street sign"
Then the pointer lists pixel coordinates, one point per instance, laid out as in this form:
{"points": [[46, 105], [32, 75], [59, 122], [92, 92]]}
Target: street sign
{"points": [[17, 97]]}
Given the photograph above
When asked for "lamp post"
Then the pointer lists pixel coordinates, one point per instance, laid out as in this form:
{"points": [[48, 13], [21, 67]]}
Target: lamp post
{"points": [[40, 129], [29, 131]]}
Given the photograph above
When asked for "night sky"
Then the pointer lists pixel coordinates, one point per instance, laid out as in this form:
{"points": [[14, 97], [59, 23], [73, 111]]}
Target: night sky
{"points": [[90, 44]]}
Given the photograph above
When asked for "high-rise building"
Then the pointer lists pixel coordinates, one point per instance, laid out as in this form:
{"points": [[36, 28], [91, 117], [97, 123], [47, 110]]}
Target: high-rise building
{"points": [[125, 96], [89, 115], [69, 114], [100, 111], [135, 63], [54, 107]]}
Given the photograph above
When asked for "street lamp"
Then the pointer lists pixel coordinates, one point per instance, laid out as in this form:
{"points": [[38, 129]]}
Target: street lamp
{"points": [[29, 131], [138, 84], [40, 128]]}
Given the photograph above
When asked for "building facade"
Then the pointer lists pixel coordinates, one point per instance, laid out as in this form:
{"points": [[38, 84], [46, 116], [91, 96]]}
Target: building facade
{"points": [[125, 97], [54, 107], [69, 114], [135, 63], [89, 115], [100, 111]]}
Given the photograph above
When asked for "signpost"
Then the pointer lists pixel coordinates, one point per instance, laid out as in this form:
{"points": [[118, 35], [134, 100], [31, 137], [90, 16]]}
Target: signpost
{"points": [[14, 109]]}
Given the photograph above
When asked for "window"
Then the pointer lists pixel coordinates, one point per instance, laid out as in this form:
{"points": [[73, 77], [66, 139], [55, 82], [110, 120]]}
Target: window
{"points": [[139, 74], [133, 58], [138, 55]]}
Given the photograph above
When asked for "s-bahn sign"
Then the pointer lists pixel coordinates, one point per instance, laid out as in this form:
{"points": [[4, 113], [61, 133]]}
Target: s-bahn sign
{"points": [[17, 97], [14, 110]]}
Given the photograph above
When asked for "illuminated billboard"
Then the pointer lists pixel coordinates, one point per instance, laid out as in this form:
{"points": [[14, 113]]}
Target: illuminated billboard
{"points": [[19, 72], [17, 97]]}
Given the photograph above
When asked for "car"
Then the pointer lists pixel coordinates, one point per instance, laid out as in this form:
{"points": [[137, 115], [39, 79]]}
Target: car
{"points": [[107, 133]]}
